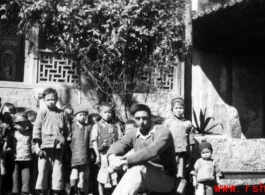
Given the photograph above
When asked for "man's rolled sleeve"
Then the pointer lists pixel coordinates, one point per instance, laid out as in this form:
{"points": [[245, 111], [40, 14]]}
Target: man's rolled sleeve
{"points": [[94, 133], [37, 126]]}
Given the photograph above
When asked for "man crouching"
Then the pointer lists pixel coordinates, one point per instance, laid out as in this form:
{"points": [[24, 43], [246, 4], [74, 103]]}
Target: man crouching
{"points": [[152, 166]]}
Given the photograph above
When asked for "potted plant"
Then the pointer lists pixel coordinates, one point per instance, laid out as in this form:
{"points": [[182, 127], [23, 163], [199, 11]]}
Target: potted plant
{"points": [[204, 121]]}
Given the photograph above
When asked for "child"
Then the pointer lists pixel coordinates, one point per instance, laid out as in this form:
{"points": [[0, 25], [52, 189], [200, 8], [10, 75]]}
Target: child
{"points": [[69, 112], [92, 119], [206, 171], [21, 153], [31, 114], [49, 132], [129, 125], [105, 133], [6, 128], [79, 146], [181, 132]]}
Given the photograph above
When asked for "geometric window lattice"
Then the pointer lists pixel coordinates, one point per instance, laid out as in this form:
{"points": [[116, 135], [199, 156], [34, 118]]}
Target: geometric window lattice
{"points": [[55, 68], [163, 77], [8, 29]]}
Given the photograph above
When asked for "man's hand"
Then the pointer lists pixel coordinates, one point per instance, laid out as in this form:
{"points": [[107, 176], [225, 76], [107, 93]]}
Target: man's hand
{"points": [[116, 162]]}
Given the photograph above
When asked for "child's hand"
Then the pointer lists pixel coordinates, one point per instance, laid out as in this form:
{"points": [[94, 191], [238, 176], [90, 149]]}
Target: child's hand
{"points": [[194, 182], [98, 161]]}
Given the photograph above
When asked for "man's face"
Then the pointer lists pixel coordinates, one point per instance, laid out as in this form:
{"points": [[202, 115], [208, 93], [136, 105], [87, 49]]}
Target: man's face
{"points": [[50, 100], [143, 121]]}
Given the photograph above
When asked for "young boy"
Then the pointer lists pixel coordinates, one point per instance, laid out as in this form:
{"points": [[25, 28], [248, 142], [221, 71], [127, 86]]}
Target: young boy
{"points": [[181, 132], [206, 171], [21, 153], [79, 146], [105, 133], [49, 132]]}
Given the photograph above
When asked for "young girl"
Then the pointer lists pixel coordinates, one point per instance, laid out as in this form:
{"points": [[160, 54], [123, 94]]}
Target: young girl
{"points": [[181, 132], [206, 171]]}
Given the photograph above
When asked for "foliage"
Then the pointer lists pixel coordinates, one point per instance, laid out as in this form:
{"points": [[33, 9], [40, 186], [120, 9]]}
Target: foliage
{"points": [[204, 121], [112, 41]]}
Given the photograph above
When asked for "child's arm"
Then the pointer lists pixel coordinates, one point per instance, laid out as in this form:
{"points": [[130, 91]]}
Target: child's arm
{"points": [[193, 173], [217, 172], [36, 134], [191, 140], [94, 139]]}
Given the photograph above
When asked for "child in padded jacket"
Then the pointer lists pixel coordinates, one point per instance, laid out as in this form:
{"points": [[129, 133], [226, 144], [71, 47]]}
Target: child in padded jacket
{"points": [[49, 133], [21, 151], [181, 132], [103, 135], [80, 137], [206, 171]]}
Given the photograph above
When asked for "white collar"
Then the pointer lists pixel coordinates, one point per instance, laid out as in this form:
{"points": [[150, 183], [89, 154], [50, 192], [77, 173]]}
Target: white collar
{"points": [[151, 131]]}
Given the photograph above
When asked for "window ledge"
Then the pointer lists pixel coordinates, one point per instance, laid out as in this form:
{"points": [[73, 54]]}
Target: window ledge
{"points": [[21, 85]]}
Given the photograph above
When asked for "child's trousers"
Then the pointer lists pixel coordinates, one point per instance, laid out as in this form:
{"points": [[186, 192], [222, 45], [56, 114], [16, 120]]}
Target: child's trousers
{"points": [[81, 174], [21, 173], [50, 163]]}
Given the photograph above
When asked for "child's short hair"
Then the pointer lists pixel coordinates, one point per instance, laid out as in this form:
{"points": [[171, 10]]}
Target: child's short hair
{"points": [[67, 108], [179, 100], [105, 105], [130, 122], [49, 91], [96, 116], [31, 114], [10, 106], [19, 117]]}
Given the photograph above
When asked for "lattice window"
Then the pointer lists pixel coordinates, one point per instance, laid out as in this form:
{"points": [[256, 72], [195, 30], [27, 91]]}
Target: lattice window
{"points": [[8, 29], [55, 68], [163, 77]]}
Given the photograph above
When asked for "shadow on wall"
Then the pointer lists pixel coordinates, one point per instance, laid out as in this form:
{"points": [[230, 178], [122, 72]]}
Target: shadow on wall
{"points": [[230, 88]]}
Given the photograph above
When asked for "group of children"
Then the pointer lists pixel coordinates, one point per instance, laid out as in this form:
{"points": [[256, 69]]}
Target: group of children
{"points": [[56, 147]]}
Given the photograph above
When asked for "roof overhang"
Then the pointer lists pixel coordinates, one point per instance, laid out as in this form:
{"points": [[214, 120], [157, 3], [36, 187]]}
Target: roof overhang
{"points": [[237, 27]]}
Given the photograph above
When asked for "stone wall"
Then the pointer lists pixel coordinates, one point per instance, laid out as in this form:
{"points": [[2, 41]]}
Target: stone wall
{"points": [[30, 98], [236, 155]]}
